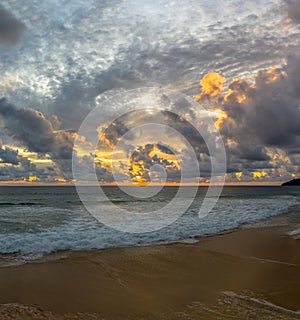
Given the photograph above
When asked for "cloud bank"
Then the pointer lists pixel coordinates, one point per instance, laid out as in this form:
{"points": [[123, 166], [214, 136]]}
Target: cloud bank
{"points": [[76, 54]]}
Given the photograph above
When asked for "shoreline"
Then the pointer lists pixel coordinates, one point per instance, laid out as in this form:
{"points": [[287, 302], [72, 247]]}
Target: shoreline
{"points": [[43, 257], [160, 281]]}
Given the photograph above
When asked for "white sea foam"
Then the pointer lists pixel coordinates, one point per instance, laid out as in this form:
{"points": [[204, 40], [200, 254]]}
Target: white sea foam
{"points": [[294, 233], [260, 302], [188, 241], [35, 230]]}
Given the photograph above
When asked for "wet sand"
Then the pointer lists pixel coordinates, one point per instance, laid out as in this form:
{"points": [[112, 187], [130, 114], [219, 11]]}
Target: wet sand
{"points": [[245, 274]]}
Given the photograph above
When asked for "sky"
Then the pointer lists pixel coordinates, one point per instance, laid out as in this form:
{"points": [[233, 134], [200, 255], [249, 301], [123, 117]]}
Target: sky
{"points": [[60, 59]]}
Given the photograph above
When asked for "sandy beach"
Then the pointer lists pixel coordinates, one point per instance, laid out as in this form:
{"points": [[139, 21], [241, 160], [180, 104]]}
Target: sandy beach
{"points": [[245, 274]]}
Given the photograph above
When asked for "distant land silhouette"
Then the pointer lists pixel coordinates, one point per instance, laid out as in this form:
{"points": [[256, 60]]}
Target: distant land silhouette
{"points": [[292, 183]]}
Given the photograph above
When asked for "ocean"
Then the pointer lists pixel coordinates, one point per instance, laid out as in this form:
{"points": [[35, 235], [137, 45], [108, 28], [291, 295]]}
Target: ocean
{"points": [[35, 221]]}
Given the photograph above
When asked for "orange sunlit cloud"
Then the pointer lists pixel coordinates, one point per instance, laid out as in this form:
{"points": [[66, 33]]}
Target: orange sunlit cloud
{"points": [[259, 174], [212, 84], [234, 92], [274, 74], [239, 175], [239, 92], [219, 122], [289, 28]]}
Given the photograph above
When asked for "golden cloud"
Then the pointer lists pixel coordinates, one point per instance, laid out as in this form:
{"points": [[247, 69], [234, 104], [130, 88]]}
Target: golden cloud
{"points": [[211, 85]]}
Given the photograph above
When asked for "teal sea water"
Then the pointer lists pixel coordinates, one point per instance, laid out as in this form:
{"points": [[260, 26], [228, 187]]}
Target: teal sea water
{"points": [[39, 220]]}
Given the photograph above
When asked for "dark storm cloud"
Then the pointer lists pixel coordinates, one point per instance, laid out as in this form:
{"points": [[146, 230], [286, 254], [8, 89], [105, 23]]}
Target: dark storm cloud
{"points": [[293, 7], [165, 149], [74, 103], [8, 155], [20, 168], [125, 123], [265, 114], [24, 171], [10, 27], [187, 130], [114, 132], [35, 132]]}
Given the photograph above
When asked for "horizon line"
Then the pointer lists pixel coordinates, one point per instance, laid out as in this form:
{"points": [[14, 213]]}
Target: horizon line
{"points": [[72, 184]]}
